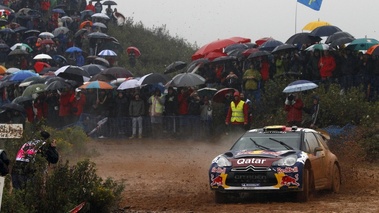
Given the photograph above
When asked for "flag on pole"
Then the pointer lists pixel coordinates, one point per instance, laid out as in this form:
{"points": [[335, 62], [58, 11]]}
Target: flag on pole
{"points": [[313, 4]]}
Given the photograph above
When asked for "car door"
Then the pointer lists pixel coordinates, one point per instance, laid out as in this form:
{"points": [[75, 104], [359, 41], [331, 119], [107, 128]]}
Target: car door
{"points": [[316, 154]]}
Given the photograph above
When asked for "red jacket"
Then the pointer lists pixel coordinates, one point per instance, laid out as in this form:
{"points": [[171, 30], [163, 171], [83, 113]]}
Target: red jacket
{"points": [[295, 111], [183, 103], [265, 70], [90, 7], [64, 104], [326, 65], [78, 104]]}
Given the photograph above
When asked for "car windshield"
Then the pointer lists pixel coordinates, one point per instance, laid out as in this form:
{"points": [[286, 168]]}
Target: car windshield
{"points": [[268, 141]]}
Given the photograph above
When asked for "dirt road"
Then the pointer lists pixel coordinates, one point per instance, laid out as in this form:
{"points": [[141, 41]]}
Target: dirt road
{"points": [[171, 176]]}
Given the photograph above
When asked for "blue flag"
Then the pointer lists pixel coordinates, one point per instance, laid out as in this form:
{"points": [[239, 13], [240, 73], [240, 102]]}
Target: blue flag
{"points": [[314, 4]]}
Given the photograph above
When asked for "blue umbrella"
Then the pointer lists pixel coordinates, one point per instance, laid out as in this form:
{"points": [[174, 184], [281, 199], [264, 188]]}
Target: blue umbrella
{"points": [[22, 75], [270, 45], [73, 49], [58, 10]]}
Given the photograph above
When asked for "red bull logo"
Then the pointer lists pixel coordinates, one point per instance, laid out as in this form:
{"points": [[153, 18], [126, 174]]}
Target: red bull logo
{"points": [[216, 181], [290, 181]]}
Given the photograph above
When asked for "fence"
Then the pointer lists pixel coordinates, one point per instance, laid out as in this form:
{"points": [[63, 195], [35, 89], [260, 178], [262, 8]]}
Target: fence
{"points": [[121, 127]]}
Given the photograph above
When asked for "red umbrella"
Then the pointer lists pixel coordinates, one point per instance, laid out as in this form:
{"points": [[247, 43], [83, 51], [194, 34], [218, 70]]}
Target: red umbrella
{"points": [[213, 55], [247, 52], [217, 46], [134, 50]]}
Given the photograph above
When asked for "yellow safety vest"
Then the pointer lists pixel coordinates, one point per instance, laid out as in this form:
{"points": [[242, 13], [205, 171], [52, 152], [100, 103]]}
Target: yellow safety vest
{"points": [[156, 106], [237, 112]]}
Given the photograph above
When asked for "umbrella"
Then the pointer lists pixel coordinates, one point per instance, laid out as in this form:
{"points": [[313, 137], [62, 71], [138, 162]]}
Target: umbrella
{"points": [[48, 35], [206, 91], [299, 85], [66, 19], [101, 61], [21, 46], [260, 41], [73, 49], [233, 47], [153, 78], [85, 24], [129, 84], [21, 99], [96, 85], [270, 45], [326, 30], [72, 70], [338, 35], [284, 48], [117, 72], [22, 75], [99, 24], [93, 69], [247, 52], [133, 50], [32, 80], [217, 45], [107, 53], [373, 50], [103, 77], [321, 47], [58, 10], [100, 15], [6, 31], [258, 54], [98, 35], [85, 13], [220, 95], [59, 59], [13, 106], [18, 52], [34, 89], [213, 55], [175, 66], [42, 56], [187, 80], [303, 38], [3, 22], [314, 24], [362, 43], [33, 32], [20, 29], [12, 70], [341, 41], [57, 85], [224, 59], [60, 30], [80, 32], [109, 3]]}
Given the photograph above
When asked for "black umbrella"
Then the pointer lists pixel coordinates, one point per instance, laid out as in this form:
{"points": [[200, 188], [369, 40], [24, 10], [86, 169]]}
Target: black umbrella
{"points": [[6, 31], [101, 61], [98, 35], [284, 48], [3, 22], [59, 59], [18, 52], [20, 29], [175, 66], [80, 32], [198, 62], [260, 53], [109, 3], [117, 72], [22, 99], [13, 106], [326, 30], [58, 85], [93, 69], [338, 35], [153, 78], [224, 59], [72, 70], [341, 41], [270, 45], [303, 38], [237, 46]]}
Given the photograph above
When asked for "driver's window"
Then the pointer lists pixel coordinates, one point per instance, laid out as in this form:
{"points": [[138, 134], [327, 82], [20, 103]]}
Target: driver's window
{"points": [[312, 142]]}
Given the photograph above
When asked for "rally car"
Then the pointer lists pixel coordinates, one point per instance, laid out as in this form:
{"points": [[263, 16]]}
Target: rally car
{"points": [[276, 159]]}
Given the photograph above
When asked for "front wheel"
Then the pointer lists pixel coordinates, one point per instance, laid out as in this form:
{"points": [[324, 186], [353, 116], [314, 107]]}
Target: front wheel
{"points": [[304, 195], [336, 179]]}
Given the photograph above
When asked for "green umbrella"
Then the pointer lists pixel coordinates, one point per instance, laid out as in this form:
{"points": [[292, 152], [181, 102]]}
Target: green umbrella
{"points": [[362, 44], [34, 89]]}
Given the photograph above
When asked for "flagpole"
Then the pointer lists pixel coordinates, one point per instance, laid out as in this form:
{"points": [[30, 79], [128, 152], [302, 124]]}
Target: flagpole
{"points": [[295, 17]]}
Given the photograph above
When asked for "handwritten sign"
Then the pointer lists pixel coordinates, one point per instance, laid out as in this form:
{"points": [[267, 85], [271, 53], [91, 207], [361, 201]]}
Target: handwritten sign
{"points": [[11, 130]]}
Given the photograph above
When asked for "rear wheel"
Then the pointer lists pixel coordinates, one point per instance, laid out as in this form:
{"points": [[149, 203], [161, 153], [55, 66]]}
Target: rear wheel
{"points": [[336, 179], [303, 196], [221, 197]]}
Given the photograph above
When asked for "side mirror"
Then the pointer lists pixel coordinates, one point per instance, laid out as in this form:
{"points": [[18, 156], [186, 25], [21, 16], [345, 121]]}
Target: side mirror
{"points": [[318, 149]]}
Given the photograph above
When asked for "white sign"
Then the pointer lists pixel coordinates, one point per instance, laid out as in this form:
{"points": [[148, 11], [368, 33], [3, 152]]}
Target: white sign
{"points": [[1, 189], [11, 130]]}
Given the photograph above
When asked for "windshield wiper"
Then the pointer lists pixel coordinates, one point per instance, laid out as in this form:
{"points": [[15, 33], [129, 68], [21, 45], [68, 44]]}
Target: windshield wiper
{"points": [[260, 146], [282, 143]]}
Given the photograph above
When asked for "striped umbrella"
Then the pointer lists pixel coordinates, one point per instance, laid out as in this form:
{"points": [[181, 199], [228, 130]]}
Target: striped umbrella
{"points": [[96, 85], [107, 53]]}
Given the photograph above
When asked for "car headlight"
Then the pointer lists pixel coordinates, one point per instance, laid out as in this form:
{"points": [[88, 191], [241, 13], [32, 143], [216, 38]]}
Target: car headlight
{"points": [[221, 161], [286, 161]]}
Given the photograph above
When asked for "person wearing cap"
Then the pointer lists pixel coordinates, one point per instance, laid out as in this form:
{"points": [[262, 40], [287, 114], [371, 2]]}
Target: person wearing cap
{"points": [[237, 116], [23, 168]]}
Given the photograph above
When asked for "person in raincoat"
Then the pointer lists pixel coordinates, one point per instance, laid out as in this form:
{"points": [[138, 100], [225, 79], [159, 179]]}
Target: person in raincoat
{"points": [[294, 108]]}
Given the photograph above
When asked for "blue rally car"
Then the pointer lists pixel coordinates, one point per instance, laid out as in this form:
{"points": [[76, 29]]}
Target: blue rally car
{"points": [[276, 159]]}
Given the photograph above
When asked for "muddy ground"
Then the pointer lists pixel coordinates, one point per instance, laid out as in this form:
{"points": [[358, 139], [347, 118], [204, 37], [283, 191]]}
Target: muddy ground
{"points": [[171, 176]]}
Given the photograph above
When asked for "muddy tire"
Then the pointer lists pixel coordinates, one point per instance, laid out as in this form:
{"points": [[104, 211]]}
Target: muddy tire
{"points": [[304, 195], [336, 179]]}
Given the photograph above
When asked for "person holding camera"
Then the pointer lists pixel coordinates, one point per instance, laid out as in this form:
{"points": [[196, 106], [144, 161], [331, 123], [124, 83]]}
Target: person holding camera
{"points": [[294, 108]]}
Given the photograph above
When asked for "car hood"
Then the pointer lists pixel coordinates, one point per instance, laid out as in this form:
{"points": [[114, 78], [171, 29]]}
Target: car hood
{"points": [[261, 153], [260, 158]]}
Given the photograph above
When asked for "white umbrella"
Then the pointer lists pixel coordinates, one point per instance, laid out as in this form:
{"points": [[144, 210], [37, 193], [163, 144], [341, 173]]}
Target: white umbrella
{"points": [[42, 56], [299, 85], [46, 35], [129, 84], [12, 70], [100, 15], [99, 24], [107, 53], [58, 30]]}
